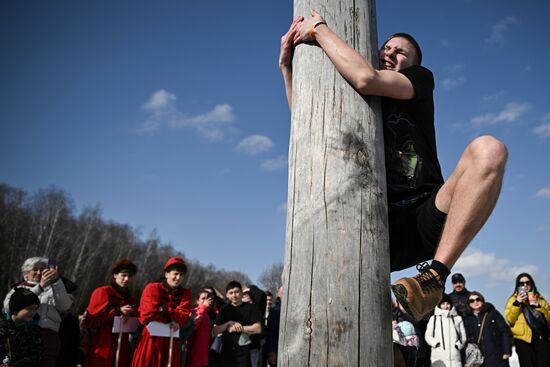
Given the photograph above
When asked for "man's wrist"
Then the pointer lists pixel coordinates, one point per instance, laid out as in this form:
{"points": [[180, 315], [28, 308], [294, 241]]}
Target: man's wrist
{"points": [[314, 25]]}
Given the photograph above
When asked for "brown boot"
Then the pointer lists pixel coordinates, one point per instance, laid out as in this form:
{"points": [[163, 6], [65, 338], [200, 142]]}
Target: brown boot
{"points": [[420, 294]]}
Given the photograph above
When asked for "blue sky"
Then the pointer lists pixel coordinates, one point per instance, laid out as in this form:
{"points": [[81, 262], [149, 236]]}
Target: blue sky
{"points": [[172, 115]]}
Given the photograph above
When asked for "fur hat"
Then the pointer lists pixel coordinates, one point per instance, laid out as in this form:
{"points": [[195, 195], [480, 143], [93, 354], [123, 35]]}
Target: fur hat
{"points": [[22, 298], [124, 265], [175, 262]]}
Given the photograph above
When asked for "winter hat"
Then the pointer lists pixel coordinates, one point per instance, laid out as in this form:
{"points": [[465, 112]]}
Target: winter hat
{"points": [[124, 265], [175, 262], [407, 328], [458, 278], [22, 298], [447, 299]]}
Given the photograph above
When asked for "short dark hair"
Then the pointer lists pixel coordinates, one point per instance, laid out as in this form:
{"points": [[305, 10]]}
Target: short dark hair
{"points": [[268, 294], [233, 284], [409, 38], [207, 291]]}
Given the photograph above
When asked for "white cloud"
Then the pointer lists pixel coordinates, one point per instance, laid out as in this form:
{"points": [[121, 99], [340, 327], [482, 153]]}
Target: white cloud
{"points": [[493, 97], [160, 100], [510, 113], [476, 263], [274, 164], [161, 106], [446, 43], [450, 83], [255, 144], [454, 69], [543, 130], [220, 113], [500, 29], [543, 193], [282, 208]]}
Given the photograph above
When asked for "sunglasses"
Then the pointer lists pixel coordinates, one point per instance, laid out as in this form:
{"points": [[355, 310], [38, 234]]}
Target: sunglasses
{"points": [[472, 300], [528, 282]]}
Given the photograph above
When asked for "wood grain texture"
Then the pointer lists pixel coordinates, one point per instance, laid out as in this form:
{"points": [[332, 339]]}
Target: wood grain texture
{"points": [[336, 302]]}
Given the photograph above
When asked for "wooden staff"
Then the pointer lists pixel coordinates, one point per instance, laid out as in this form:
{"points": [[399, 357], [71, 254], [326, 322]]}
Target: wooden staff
{"points": [[117, 358], [171, 346]]}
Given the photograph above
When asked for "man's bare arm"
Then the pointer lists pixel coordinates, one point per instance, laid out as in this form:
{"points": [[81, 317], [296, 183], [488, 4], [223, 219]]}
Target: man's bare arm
{"points": [[352, 65], [255, 328], [285, 57]]}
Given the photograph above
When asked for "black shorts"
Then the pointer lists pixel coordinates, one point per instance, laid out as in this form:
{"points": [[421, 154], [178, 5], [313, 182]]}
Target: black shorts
{"points": [[415, 231]]}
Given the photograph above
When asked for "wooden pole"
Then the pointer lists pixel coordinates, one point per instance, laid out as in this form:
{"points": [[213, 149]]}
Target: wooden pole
{"points": [[171, 346], [119, 342], [336, 302]]}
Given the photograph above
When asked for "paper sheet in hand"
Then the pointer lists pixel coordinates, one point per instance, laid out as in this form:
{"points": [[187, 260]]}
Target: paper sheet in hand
{"points": [[160, 329], [129, 326]]}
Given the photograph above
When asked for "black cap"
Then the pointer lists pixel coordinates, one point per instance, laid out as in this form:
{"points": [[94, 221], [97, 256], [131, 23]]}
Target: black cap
{"points": [[458, 278], [22, 298]]}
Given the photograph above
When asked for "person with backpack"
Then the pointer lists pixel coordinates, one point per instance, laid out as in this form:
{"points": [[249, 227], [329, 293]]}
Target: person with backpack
{"points": [[446, 335]]}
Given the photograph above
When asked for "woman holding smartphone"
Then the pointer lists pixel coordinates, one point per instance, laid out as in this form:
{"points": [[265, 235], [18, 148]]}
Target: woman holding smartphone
{"points": [[41, 277], [528, 314], [105, 303]]}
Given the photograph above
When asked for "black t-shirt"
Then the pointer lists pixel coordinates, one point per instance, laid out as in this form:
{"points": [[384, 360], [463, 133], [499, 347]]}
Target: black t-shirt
{"points": [[245, 314], [412, 167]]}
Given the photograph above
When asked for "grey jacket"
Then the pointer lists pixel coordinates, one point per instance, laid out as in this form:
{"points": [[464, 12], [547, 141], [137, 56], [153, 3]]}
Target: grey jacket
{"points": [[54, 300]]}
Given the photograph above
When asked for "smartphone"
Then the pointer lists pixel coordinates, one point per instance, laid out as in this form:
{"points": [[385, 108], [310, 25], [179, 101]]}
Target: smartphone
{"points": [[52, 264]]}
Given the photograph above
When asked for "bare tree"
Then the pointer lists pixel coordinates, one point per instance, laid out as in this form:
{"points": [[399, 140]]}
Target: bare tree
{"points": [[85, 246], [270, 278]]}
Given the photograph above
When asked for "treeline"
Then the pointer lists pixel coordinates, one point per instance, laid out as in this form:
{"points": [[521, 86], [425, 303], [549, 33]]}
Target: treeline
{"points": [[84, 245]]}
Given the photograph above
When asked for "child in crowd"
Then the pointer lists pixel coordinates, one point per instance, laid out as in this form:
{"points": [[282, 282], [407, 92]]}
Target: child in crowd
{"points": [[20, 335]]}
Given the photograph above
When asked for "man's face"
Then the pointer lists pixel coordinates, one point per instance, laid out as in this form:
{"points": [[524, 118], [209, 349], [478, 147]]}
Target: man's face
{"points": [[174, 278], [458, 286], [123, 279], [235, 296], [269, 301], [397, 54]]}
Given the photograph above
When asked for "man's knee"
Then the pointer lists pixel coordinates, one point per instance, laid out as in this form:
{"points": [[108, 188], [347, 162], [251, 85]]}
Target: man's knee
{"points": [[488, 153]]}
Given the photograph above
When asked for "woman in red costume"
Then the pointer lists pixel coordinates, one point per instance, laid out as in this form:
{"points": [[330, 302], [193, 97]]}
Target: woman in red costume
{"points": [[168, 303], [105, 303]]}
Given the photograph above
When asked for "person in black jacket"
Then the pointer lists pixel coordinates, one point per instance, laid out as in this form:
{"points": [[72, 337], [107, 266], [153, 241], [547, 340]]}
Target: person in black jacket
{"points": [[496, 340], [459, 295]]}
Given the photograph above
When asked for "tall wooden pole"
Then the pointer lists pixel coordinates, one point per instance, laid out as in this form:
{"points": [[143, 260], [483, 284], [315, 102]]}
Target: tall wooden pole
{"points": [[336, 302]]}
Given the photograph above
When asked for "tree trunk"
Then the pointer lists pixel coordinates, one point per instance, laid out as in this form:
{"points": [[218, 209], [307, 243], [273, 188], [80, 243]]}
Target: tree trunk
{"points": [[336, 302]]}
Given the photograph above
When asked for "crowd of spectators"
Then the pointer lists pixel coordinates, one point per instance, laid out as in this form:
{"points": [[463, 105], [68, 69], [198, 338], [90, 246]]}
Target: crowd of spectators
{"points": [[166, 327], [240, 327], [466, 330]]}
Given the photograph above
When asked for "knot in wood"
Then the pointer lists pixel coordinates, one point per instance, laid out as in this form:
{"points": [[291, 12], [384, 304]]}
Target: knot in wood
{"points": [[308, 330], [361, 158]]}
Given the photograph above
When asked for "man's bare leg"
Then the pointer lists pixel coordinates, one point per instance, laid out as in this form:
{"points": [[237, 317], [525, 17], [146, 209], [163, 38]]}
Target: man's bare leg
{"points": [[468, 198]]}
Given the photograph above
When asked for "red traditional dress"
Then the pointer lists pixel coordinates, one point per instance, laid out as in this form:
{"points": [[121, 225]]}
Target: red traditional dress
{"points": [[105, 304], [198, 343], [153, 351]]}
